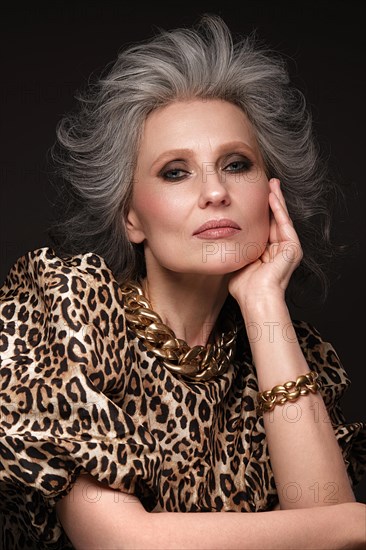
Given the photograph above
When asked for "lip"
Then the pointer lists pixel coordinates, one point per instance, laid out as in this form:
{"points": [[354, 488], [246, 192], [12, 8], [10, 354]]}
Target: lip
{"points": [[214, 229]]}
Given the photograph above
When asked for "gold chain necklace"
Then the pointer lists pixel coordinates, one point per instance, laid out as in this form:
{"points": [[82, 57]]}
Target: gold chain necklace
{"points": [[198, 363]]}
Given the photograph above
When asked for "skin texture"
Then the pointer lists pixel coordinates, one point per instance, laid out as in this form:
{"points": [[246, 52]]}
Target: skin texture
{"points": [[198, 161], [114, 520], [201, 145], [209, 152]]}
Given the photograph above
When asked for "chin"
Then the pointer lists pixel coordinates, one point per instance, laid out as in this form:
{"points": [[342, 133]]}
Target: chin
{"points": [[227, 257], [221, 267]]}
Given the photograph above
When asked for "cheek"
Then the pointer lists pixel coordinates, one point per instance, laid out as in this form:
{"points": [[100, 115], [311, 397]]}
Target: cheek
{"points": [[258, 216], [257, 199], [145, 203], [158, 210]]}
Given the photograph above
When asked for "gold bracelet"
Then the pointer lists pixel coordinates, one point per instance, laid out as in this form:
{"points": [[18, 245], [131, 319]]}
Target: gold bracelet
{"points": [[289, 391]]}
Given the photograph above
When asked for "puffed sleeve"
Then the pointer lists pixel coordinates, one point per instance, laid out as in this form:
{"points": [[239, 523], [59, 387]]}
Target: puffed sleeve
{"points": [[65, 370], [323, 359]]}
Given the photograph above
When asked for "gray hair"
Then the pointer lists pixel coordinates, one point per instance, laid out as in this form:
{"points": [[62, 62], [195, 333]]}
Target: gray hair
{"points": [[97, 145]]}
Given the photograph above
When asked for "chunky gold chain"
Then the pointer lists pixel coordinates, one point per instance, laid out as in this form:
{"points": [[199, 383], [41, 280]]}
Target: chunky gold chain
{"points": [[289, 391], [198, 363]]}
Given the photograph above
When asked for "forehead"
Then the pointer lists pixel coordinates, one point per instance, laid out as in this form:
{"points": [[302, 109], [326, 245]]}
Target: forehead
{"points": [[195, 122]]}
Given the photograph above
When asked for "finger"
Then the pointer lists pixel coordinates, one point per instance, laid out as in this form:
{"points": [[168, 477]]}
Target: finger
{"points": [[276, 189], [284, 223], [273, 230], [266, 254]]}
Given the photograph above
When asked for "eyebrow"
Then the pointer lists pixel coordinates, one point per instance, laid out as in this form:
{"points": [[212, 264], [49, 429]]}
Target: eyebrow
{"points": [[180, 154]]}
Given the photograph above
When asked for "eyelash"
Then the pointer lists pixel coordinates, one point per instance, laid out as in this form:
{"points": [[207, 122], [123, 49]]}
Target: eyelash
{"points": [[164, 174], [246, 164]]}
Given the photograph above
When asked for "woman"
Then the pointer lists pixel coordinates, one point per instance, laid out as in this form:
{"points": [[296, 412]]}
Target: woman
{"points": [[149, 361]]}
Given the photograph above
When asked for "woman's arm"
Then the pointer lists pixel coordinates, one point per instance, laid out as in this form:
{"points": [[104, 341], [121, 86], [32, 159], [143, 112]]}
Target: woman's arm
{"points": [[305, 456], [97, 517]]}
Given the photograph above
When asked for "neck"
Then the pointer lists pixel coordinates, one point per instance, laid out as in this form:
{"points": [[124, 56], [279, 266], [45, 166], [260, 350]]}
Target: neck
{"points": [[189, 304]]}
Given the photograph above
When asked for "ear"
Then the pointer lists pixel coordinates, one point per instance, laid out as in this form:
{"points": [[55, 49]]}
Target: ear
{"points": [[134, 229]]}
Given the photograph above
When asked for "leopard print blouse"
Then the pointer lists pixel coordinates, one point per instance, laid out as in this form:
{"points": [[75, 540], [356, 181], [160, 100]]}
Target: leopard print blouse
{"points": [[80, 393]]}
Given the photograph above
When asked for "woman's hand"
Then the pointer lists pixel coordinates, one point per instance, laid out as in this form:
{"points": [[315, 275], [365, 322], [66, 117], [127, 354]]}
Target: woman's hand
{"points": [[271, 273]]}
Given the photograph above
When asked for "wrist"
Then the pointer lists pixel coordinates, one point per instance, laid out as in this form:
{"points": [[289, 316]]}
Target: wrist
{"points": [[262, 306]]}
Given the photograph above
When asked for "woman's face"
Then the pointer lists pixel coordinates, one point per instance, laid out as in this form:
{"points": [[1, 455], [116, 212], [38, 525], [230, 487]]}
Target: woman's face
{"points": [[199, 166]]}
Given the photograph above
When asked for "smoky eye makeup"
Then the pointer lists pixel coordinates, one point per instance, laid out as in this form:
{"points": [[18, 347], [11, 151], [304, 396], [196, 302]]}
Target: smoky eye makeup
{"points": [[236, 163], [174, 171]]}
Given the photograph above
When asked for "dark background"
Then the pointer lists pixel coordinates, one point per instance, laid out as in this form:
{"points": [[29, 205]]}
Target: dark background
{"points": [[51, 51]]}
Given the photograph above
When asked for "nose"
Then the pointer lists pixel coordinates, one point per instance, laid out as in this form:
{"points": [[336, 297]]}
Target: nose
{"points": [[213, 189]]}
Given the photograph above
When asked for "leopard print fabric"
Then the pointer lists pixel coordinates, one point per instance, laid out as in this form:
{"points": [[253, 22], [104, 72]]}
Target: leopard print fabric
{"points": [[80, 393]]}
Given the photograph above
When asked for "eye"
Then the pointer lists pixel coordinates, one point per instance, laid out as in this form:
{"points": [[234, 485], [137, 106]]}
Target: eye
{"points": [[174, 171], [174, 174], [239, 165]]}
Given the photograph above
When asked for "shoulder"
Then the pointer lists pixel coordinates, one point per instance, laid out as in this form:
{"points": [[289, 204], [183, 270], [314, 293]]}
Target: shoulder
{"points": [[43, 289], [308, 336], [41, 263], [322, 358], [45, 273], [63, 314], [313, 345]]}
